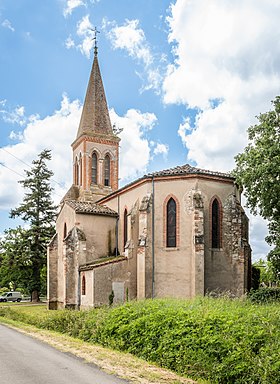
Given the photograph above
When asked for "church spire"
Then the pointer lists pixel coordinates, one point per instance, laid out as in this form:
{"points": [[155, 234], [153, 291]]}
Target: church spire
{"points": [[95, 115], [96, 147]]}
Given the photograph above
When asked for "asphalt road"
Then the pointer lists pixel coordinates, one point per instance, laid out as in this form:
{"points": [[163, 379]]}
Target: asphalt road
{"points": [[24, 360]]}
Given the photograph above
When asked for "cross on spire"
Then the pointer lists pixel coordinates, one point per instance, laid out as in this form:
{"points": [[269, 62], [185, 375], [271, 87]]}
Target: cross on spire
{"points": [[95, 32]]}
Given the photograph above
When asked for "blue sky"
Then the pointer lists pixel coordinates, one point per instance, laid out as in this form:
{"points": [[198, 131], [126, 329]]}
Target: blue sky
{"points": [[184, 79]]}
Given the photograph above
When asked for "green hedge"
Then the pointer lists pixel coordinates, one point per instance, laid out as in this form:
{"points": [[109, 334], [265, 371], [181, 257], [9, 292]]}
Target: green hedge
{"points": [[219, 340], [265, 295]]}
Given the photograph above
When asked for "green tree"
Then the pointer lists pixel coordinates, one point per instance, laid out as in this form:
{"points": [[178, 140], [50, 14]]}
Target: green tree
{"points": [[15, 265], [274, 259], [38, 210], [267, 275], [258, 170]]}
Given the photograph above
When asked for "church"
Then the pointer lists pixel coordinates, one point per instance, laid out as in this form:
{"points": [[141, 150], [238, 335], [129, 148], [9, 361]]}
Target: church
{"points": [[178, 232]]}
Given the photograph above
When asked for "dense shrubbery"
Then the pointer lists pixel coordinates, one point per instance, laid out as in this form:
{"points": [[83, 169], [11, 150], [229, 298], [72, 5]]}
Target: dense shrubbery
{"points": [[220, 340], [265, 295]]}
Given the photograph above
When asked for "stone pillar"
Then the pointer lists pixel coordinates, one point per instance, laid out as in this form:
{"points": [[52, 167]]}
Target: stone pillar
{"points": [[128, 247], [144, 262], [75, 254], [100, 173], [141, 292], [198, 245], [237, 245], [52, 256]]}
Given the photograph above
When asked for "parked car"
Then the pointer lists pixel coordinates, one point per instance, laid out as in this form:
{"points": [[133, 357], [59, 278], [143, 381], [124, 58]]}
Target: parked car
{"points": [[11, 296]]}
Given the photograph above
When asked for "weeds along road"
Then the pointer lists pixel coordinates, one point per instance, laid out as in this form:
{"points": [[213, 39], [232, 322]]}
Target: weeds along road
{"points": [[24, 360]]}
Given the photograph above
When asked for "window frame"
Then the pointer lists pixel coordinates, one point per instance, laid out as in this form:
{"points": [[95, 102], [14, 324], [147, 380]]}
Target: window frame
{"points": [[215, 223], [107, 170], [80, 170], [83, 285], [125, 228], [94, 156], [171, 240]]}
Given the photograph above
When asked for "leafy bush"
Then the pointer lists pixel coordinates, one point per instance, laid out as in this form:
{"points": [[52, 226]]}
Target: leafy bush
{"points": [[219, 340], [3, 290], [265, 295]]}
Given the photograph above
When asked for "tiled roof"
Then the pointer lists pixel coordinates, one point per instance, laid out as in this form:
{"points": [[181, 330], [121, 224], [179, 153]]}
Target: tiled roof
{"points": [[89, 207], [176, 171], [102, 261], [187, 169], [95, 116]]}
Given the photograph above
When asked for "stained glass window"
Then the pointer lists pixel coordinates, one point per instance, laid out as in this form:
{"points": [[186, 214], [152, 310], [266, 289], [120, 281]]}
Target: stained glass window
{"points": [[124, 227], [107, 171], [83, 285], [94, 169], [171, 223], [216, 242]]}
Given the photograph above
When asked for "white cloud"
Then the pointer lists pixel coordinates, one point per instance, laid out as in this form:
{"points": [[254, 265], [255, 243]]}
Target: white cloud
{"points": [[85, 35], [16, 136], [70, 5], [161, 149], [38, 135], [16, 116], [131, 38], [134, 146], [227, 66], [7, 24], [69, 42], [226, 70], [258, 231], [85, 31]]}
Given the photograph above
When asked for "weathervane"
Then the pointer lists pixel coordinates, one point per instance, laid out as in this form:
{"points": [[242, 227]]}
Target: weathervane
{"points": [[95, 32]]}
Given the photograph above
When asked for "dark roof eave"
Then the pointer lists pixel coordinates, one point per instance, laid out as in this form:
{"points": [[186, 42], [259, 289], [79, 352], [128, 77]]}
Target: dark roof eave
{"points": [[96, 213], [89, 208], [157, 175], [100, 263]]}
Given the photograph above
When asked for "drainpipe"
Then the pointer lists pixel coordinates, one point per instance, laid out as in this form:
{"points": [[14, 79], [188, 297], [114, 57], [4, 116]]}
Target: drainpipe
{"points": [[153, 237]]}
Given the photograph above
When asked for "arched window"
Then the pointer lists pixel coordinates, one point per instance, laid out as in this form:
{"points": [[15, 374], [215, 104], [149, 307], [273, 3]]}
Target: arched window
{"points": [[94, 168], [171, 223], [80, 170], [124, 228], [83, 285], [216, 224], [64, 231], [76, 172], [107, 171]]}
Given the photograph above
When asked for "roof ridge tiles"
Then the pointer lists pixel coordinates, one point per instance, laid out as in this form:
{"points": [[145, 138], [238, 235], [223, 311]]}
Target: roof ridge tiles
{"points": [[90, 207]]}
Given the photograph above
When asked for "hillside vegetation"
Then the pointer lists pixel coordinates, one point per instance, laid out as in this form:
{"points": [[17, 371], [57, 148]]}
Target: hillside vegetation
{"points": [[218, 340]]}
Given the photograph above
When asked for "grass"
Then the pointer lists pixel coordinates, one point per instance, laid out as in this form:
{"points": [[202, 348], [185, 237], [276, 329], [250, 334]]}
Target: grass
{"points": [[216, 340], [123, 365]]}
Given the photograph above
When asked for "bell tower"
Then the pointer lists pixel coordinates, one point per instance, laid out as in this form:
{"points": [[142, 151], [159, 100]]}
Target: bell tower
{"points": [[96, 147]]}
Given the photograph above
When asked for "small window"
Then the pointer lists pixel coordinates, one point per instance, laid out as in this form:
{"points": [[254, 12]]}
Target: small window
{"points": [[83, 285], [171, 223], [107, 171], [216, 224], [94, 169], [65, 231], [80, 170], [124, 228], [76, 172]]}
